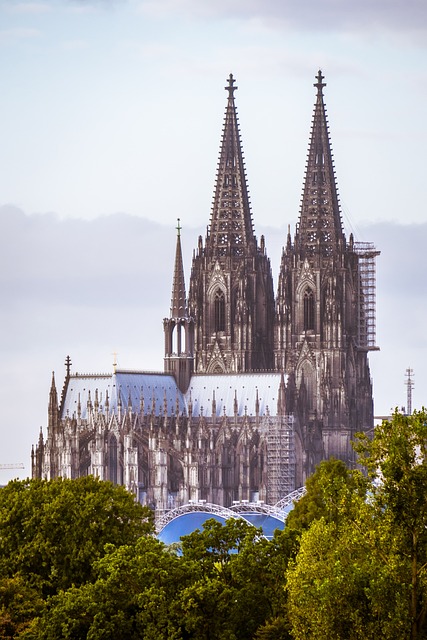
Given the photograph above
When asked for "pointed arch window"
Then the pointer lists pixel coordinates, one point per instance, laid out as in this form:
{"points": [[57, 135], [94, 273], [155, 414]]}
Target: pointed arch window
{"points": [[112, 459], [219, 306], [308, 310]]}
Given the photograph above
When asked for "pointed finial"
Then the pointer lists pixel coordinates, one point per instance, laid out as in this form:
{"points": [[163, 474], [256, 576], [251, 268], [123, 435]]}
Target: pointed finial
{"points": [[68, 365], [320, 84], [231, 88], [115, 361], [178, 227]]}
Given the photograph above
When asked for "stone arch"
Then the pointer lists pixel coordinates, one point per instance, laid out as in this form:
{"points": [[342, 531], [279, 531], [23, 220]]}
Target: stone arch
{"points": [[306, 377], [113, 459], [219, 310], [309, 309], [306, 299]]}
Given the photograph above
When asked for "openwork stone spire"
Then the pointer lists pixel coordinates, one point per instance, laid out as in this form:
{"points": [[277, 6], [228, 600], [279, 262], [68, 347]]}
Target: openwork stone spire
{"points": [[178, 301], [231, 227], [320, 228]]}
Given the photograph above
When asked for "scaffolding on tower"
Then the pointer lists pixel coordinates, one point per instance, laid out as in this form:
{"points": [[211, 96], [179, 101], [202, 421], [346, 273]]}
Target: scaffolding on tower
{"points": [[280, 457], [367, 253]]}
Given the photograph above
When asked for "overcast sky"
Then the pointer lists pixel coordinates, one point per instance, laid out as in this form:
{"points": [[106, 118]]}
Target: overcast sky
{"points": [[110, 122]]}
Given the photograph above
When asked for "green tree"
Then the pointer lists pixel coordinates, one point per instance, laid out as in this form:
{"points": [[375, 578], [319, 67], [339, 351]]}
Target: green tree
{"points": [[52, 532], [362, 573], [328, 490], [19, 605], [238, 586], [133, 597], [396, 461], [340, 587]]}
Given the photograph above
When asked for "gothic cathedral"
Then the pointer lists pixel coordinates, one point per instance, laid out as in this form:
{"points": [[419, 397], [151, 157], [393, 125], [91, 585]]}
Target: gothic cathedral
{"points": [[257, 389]]}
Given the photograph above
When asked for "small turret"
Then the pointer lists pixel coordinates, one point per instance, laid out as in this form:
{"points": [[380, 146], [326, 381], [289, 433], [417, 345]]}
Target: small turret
{"points": [[179, 327], [53, 410]]}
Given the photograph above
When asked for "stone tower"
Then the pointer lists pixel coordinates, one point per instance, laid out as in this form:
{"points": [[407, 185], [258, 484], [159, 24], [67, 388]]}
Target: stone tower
{"points": [[319, 317], [231, 288]]}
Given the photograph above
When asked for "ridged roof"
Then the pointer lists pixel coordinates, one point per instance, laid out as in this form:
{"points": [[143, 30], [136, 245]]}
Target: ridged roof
{"points": [[148, 392]]}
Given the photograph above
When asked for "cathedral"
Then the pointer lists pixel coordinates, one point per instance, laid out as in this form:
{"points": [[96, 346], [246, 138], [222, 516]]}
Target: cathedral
{"points": [[257, 387]]}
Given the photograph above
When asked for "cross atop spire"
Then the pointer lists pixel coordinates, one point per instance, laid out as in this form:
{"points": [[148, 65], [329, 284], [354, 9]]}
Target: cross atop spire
{"points": [[231, 230], [320, 84], [320, 230], [178, 301], [231, 88]]}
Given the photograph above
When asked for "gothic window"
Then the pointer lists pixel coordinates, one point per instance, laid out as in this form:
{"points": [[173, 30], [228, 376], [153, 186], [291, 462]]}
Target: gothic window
{"points": [[307, 382], [112, 459], [308, 310], [219, 306]]}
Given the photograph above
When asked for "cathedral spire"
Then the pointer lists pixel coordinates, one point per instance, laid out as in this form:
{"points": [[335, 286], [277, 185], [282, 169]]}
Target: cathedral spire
{"points": [[179, 327], [319, 229], [178, 301], [53, 409], [231, 227]]}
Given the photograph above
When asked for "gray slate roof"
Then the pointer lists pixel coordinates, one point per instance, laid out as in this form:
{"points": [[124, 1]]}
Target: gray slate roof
{"points": [[144, 389]]}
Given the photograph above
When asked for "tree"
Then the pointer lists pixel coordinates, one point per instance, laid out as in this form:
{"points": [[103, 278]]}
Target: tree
{"points": [[340, 588], [132, 597], [52, 532], [239, 582], [19, 605], [362, 573], [396, 461], [326, 489]]}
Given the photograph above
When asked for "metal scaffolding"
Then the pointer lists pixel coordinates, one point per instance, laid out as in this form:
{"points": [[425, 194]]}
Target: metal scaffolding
{"points": [[280, 457], [367, 294]]}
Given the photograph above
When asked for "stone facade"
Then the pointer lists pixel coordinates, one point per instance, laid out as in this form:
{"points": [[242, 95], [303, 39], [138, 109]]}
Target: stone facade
{"points": [[256, 389]]}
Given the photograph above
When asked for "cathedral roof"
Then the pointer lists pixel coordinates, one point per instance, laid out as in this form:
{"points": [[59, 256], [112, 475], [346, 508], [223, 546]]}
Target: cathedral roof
{"points": [[227, 394], [234, 392], [319, 228], [145, 392], [231, 227]]}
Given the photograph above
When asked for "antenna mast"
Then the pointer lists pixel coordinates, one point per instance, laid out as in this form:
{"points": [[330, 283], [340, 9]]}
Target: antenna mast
{"points": [[409, 386]]}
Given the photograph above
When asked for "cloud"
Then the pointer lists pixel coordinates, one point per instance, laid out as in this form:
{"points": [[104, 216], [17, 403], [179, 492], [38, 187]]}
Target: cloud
{"points": [[18, 33], [29, 7], [326, 15], [88, 6]]}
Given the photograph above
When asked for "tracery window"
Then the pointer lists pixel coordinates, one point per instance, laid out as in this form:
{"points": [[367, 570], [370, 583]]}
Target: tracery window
{"points": [[112, 459], [308, 310], [219, 309]]}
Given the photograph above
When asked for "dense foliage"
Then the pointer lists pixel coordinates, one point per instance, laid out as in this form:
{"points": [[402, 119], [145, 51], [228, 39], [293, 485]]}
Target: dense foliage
{"points": [[78, 559]]}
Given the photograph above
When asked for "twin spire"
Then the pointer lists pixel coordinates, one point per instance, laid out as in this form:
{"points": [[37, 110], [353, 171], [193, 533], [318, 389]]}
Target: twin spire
{"points": [[319, 230], [231, 227]]}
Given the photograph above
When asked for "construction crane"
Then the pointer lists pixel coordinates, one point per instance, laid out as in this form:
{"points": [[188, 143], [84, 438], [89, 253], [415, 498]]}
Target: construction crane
{"points": [[17, 465]]}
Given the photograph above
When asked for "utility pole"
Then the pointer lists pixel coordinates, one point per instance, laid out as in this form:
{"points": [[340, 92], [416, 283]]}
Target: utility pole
{"points": [[409, 386]]}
